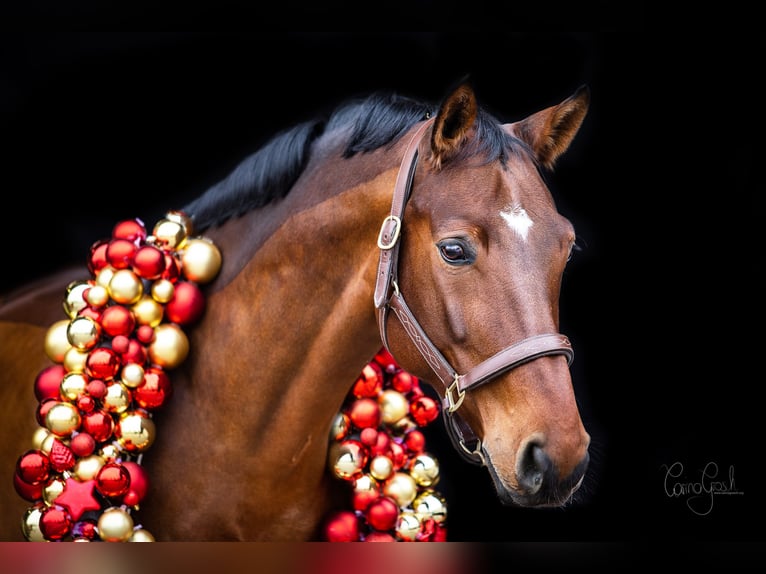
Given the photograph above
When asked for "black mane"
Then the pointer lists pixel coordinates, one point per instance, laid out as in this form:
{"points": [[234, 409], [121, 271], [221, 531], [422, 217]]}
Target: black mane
{"points": [[269, 173]]}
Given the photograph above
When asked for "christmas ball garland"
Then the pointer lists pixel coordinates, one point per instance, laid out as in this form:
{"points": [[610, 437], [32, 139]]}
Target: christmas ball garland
{"points": [[377, 447], [123, 330]]}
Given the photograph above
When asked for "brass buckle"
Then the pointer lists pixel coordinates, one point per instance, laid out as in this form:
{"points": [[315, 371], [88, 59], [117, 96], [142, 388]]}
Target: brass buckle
{"points": [[453, 406], [476, 452], [397, 230]]}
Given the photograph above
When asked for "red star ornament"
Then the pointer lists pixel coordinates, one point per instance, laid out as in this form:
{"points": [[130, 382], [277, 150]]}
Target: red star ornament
{"points": [[78, 498]]}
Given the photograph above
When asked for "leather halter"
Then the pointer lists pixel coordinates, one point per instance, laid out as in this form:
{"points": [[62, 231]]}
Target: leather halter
{"points": [[388, 297]]}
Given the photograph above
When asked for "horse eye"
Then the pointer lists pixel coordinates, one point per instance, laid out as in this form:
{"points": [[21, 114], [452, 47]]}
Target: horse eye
{"points": [[455, 252]]}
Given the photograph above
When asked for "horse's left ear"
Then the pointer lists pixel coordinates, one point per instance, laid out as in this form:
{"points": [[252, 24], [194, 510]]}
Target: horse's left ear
{"points": [[456, 115], [550, 131]]}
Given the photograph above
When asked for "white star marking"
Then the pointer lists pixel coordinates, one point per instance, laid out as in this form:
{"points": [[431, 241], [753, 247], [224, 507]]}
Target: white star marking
{"points": [[517, 219]]}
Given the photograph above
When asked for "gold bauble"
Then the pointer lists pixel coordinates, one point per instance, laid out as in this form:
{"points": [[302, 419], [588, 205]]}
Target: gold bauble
{"points": [[181, 218], [75, 360], [56, 341], [125, 287], [407, 526], [402, 488], [98, 296], [381, 467], [148, 311], [42, 436], [135, 431], [430, 504], [30, 524], [104, 276], [169, 234], [115, 525], [339, 427], [52, 490], [74, 302], [110, 452], [141, 535], [117, 399], [73, 385], [132, 375], [393, 406], [201, 260], [163, 290], [62, 419], [424, 468], [366, 483], [348, 459], [87, 467], [170, 346], [83, 333]]}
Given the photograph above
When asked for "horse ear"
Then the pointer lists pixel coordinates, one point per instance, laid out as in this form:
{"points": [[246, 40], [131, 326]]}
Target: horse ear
{"points": [[550, 131], [454, 119]]}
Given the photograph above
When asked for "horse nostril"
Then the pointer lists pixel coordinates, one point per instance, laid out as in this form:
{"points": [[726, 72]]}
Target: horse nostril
{"points": [[532, 468]]}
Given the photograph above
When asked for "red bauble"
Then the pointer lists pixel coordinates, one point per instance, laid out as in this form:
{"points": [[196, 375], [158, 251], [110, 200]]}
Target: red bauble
{"points": [[149, 262], [386, 361], [91, 312], [99, 425], [397, 454], [97, 256], [86, 403], [369, 382], [120, 253], [43, 408], [172, 268], [118, 320], [139, 483], [113, 479], [415, 441], [342, 526], [136, 353], [133, 230], [364, 413], [48, 382], [382, 444], [30, 492], [155, 390], [55, 523], [379, 537], [187, 304], [102, 363], [33, 467], [120, 344], [82, 444], [403, 381], [369, 436], [382, 513], [96, 388], [424, 410], [145, 334]]}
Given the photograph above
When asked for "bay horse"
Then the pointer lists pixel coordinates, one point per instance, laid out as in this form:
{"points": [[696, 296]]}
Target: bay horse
{"points": [[426, 228]]}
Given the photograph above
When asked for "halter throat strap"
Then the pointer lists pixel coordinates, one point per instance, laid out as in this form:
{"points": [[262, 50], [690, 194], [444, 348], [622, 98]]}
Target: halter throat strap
{"points": [[388, 297]]}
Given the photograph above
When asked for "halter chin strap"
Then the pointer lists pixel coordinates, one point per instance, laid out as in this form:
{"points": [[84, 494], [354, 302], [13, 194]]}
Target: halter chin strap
{"points": [[388, 297]]}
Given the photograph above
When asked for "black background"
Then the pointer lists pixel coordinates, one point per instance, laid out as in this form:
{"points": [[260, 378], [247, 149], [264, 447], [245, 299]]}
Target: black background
{"points": [[662, 304]]}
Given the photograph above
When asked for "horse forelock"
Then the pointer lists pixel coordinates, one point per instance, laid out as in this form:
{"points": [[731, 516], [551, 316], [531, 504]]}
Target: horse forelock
{"points": [[380, 119]]}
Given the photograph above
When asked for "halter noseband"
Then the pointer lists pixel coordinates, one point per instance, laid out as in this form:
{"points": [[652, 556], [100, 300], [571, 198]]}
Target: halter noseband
{"points": [[388, 296]]}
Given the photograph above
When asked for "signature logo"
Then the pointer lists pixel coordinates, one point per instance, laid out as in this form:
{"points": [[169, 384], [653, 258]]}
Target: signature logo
{"points": [[700, 493]]}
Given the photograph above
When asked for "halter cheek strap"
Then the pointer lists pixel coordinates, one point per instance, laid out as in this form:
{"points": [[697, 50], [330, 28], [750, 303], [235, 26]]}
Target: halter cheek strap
{"points": [[388, 297]]}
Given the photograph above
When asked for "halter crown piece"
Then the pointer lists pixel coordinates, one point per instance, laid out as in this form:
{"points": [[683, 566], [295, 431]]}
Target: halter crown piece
{"points": [[389, 297], [123, 330]]}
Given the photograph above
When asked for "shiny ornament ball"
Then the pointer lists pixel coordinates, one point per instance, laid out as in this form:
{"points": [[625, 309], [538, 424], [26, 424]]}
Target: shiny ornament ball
{"points": [[30, 523], [200, 260], [369, 436], [187, 304], [376, 536], [83, 444], [366, 489], [56, 341], [29, 492], [104, 276], [381, 467], [113, 479], [340, 427], [102, 363], [99, 424], [115, 525], [172, 271], [87, 467], [96, 388], [136, 353], [369, 382], [145, 334], [141, 535], [393, 406], [386, 361], [132, 375], [75, 360], [97, 296], [424, 468], [52, 490], [139, 483], [424, 410], [402, 488], [55, 523], [125, 287], [430, 505], [182, 219], [97, 256], [48, 382], [40, 437], [149, 262], [364, 413], [349, 459], [62, 419], [415, 441], [74, 299], [402, 381], [162, 290], [33, 467], [134, 230], [148, 311], [84, 531], [154, 390], [73, 385], [342, 526], [398, 454], [381, 514], [407, 526], [42, 410], [118, 320], [169, 234], [170, 346], [382, 444], [85, 403], [117, 398], [135, 431], [120, 253]]}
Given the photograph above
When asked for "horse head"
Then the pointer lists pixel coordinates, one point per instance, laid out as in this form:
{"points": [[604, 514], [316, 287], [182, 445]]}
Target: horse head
{"points": [[480, 260]]}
